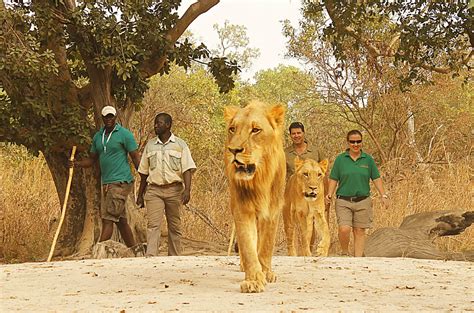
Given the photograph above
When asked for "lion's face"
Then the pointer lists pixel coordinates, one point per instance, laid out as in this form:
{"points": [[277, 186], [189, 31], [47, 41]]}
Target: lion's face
{"points": [[310, 174], [252, 135]]}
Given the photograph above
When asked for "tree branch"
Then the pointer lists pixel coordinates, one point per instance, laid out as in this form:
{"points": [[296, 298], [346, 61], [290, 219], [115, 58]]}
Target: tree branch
{"points": [[154, 64], [388, 52]]}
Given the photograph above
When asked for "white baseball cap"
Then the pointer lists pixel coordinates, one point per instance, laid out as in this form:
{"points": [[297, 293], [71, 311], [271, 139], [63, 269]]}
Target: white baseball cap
{"points": [[109, 110]]}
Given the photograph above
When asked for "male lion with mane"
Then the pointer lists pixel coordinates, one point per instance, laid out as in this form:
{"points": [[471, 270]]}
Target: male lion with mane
{"points": [[255, 166], [304, 206]]}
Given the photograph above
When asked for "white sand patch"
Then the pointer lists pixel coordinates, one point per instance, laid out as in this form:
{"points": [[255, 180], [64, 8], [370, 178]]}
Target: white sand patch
{"points": [[207, 283]]}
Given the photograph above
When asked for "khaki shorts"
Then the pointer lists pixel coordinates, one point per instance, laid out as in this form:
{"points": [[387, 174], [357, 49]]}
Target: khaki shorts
{"points": [[115, 195], [354, 214]]}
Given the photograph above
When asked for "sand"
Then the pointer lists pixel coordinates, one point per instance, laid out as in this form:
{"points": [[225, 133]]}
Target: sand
{"points": [[211, 283]]}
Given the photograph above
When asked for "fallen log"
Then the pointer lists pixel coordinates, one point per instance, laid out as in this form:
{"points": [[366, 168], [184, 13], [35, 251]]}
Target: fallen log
{"points": [[416, 234]]}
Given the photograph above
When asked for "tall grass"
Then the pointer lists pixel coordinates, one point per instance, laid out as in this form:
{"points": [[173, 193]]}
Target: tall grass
{"points": [[446, 187], [31, 207]]}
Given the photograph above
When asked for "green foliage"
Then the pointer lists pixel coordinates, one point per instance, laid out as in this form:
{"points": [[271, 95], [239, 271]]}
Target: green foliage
{"points": [[220, 69], [359, 68], [427, 36], [234, 44], [59, 64], [196, 105]]}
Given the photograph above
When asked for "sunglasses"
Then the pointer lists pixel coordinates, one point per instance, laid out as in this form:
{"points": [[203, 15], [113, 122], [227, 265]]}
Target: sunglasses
{"points": [[355, 141]]}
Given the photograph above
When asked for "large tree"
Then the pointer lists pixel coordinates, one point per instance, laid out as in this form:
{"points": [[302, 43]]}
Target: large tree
{"points": [[428, 36], [362, 52], [62, 61]]}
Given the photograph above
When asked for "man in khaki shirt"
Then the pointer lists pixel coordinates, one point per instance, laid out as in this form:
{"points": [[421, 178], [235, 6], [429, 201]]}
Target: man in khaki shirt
{"points": [[166, 165], [303, 150]]}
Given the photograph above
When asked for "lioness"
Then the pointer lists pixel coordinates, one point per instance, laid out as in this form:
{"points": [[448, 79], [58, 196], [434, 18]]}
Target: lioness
{"points": [[255, 166], [304, 205]]}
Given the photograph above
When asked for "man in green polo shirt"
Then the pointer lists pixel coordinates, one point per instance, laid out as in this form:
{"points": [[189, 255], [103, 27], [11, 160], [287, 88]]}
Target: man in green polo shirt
{"points": [[111, 146], [352, 172]]}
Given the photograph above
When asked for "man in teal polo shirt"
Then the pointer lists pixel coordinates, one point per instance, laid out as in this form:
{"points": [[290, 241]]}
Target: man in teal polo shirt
{"points": [[111, 145], [352, 172]]}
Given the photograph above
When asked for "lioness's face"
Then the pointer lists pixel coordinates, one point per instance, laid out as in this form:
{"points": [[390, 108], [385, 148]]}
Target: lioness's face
{"points": [[251, 133], [311, 174]]}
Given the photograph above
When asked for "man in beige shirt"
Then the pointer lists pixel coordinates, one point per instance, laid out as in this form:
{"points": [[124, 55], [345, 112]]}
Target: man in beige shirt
{"points": [[303, 150], [165, 170]]}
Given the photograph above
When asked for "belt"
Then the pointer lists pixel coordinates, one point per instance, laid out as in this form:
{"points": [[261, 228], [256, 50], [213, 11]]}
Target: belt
{"points": [[176, 183], [117, 183], [352, 199]]}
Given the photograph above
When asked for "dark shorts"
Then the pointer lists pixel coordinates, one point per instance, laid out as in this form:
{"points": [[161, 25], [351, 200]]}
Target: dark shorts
{"points": [[115, 195], [354, 214]]}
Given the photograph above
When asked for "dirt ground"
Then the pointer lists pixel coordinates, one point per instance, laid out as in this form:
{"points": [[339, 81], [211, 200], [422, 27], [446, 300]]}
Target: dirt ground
{"points": [[204, 282]]}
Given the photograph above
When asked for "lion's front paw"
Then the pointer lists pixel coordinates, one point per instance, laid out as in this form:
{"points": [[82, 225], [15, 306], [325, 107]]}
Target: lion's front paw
{"points": [[271, 277], [253, 286]]}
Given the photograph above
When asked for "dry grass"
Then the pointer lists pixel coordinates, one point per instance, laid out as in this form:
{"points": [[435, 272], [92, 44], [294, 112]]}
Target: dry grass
{"points": [[448, 189], [30, 205]]}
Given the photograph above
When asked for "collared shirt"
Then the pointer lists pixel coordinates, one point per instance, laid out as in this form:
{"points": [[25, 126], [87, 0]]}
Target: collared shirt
{"points": [[354, 176], [165, 163], [311, 152], [113, 150]]}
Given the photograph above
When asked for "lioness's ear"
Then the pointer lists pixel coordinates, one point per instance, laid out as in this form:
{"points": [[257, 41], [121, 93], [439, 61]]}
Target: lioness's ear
{"points": [[229, 113], [324, 165], [298, 162], [277, 114]]}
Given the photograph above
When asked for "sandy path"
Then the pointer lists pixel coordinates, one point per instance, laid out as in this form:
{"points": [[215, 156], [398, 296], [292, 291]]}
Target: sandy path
{"points": [[207, 283]]}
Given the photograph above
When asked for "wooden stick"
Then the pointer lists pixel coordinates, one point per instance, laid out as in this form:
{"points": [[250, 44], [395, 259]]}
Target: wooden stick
{"points": [[63, 212], [231, 241]]}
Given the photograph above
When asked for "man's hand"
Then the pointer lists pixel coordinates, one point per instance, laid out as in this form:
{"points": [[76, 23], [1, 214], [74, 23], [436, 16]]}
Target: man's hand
{"points": [[186, 196], [328, 199], [385, 200], [73, 163], [140, 201], [84, 163]]}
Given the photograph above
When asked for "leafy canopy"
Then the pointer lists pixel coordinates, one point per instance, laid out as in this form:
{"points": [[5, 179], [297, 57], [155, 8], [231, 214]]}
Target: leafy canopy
{"points": [[63, 60], [429, 36]]}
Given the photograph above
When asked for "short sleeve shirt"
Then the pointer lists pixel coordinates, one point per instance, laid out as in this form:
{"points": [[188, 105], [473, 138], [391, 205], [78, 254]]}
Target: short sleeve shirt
{"points": [[353, 177], [311, 153], [113, 150], [165, 163]]}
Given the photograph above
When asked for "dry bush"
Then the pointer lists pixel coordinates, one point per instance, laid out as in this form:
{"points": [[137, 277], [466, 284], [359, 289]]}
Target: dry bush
{"points": [[438, 187], [449, 189], [30, 205], [208, 217]]}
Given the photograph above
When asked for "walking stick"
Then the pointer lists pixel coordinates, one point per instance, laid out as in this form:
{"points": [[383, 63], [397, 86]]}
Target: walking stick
{"points": [[231, 241], [63, 212]]}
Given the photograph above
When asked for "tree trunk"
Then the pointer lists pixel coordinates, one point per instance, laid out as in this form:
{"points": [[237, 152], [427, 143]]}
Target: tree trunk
{"points": [[81, 226], [414, 238], [2, 229]]}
